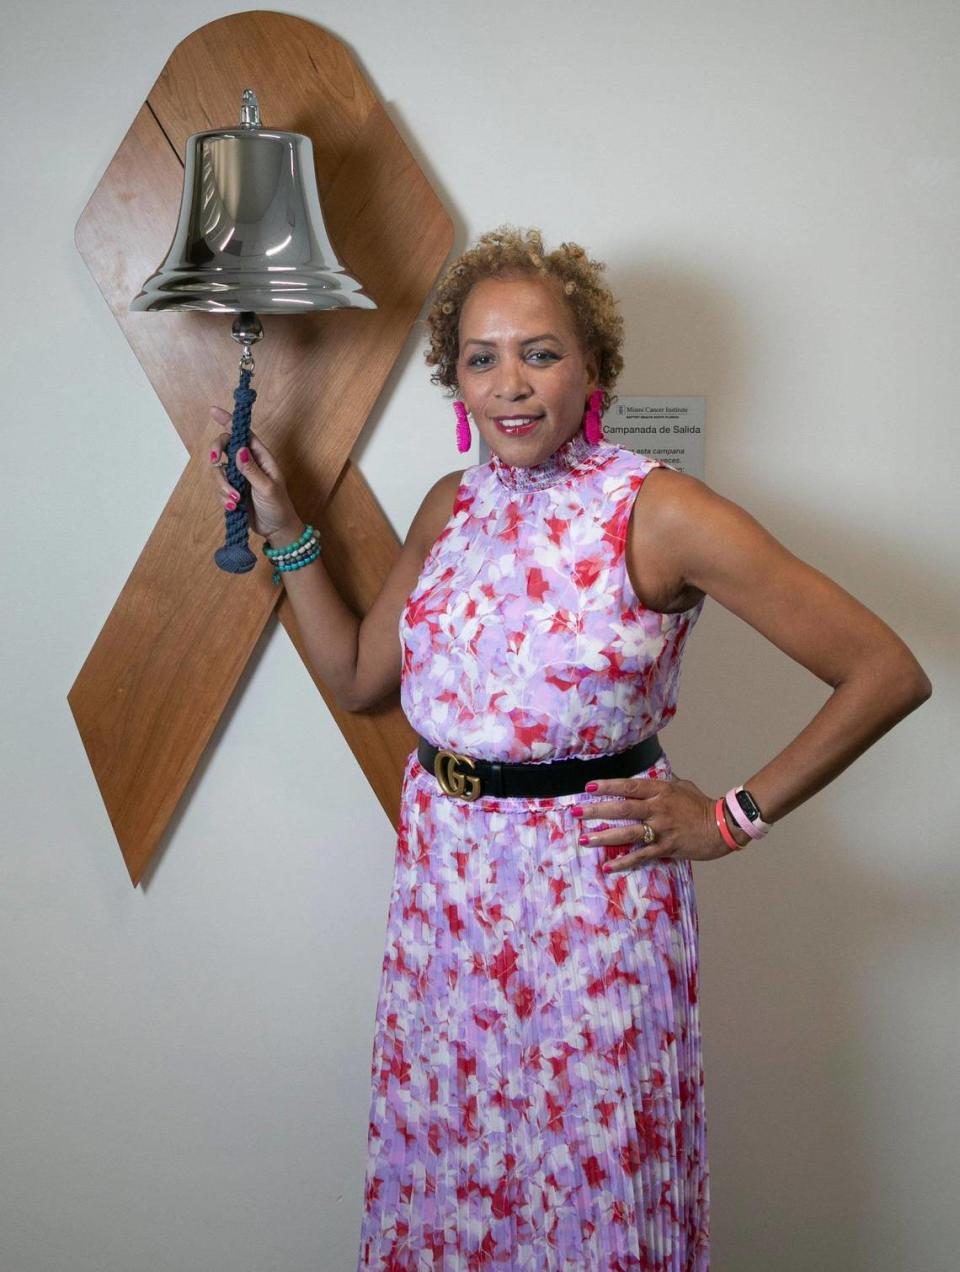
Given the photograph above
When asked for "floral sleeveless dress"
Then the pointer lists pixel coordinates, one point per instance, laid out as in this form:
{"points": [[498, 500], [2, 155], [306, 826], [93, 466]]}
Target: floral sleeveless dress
{"points": [[537, 1097]]}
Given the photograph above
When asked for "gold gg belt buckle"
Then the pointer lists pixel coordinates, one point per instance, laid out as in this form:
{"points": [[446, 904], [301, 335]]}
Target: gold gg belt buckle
{"points": [[452, 780]]}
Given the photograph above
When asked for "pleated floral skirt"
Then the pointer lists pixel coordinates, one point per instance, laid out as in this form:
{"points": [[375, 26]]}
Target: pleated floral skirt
{"points": [[537, 1093]]}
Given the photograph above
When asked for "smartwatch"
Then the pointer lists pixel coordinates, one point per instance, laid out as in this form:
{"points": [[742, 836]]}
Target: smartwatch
{"points": [[747, 813]]}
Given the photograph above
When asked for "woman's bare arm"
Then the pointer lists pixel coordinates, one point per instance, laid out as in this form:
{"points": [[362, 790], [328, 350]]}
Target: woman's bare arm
{"points": [[703, 540], [360, 659]]}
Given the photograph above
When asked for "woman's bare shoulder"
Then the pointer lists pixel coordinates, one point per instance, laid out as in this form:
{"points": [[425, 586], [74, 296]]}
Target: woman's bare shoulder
{"points": [[670, 503], [666, 501]]}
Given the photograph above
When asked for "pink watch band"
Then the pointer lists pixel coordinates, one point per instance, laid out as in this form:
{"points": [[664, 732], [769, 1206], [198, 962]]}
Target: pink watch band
{"points": [[724, 829], [755, 829]]}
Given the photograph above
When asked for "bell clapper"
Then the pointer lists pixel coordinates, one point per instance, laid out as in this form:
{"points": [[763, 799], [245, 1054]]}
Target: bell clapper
{"points": [[247, 330]]}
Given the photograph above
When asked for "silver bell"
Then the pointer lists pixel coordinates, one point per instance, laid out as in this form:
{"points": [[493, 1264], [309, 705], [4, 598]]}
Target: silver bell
{"points": [[250, 237]]}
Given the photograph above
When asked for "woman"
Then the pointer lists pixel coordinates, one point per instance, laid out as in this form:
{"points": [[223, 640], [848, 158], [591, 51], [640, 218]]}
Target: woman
{"points": [[537, 1087]]}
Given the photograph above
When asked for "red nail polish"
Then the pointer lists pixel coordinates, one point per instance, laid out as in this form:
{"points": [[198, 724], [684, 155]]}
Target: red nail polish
{"points": [[591, 786], [577, 810], [244, 455], [607, 865], [213, 456], [584, 839], [230, 506]]}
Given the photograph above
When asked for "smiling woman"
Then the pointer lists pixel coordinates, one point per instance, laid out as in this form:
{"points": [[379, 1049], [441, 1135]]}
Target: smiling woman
{"points": [[526, 392], [537, 1085]]}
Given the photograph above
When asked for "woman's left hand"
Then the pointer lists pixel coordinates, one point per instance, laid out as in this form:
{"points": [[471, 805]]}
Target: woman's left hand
{"points": [[677, 810]]}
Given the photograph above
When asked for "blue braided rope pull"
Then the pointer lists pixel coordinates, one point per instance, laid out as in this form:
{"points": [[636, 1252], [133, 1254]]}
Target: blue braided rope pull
{"points": [[235, 556]]}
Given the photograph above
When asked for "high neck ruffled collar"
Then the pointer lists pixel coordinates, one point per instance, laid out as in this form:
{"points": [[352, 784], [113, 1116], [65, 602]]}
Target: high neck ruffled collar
{"points": [[554, 468]]}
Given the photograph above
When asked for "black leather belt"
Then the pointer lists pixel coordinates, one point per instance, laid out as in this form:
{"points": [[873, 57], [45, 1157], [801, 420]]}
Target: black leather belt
{"points": [[469, 779]]}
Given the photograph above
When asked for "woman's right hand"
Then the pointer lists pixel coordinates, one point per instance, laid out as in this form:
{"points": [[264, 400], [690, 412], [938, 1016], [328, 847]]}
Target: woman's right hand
{"points": [[269, 508]]}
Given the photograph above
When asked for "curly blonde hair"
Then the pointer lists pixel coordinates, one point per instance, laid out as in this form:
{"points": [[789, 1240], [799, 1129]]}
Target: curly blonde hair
{"points": [[508, 252]]}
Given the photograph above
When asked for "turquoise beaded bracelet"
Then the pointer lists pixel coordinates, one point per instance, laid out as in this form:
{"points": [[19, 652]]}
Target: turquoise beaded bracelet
{"points": [[274, 553], [295, 555]]}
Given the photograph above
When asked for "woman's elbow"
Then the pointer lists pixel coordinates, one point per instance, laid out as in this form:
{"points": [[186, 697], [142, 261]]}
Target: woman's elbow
{"points": [[893, 677], [911, 683], [923, 688]]}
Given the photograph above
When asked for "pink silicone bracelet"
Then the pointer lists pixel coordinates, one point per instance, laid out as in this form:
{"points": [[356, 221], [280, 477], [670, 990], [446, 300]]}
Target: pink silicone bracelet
{"points": [[724, 829], [756, 829]]}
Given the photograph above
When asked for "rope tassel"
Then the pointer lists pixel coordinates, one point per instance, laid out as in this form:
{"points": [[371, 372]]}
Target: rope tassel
{"points": [[235, 556]]}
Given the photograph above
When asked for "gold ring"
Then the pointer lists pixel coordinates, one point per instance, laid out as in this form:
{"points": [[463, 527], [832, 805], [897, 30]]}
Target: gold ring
{"points": [[649, 834]]}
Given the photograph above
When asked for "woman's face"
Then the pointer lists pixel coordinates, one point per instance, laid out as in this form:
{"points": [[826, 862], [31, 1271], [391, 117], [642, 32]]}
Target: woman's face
{"points": [[520, 360]]}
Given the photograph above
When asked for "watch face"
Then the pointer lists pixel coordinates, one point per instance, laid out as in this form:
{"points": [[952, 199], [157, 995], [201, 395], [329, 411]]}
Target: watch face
{"points": [[748, 804]]}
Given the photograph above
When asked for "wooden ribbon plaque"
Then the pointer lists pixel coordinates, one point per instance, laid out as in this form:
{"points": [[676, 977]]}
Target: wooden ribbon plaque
{"points": [[181, 632]]}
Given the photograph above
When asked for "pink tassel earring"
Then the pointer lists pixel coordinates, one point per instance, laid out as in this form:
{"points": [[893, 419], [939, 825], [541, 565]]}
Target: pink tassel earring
{"points": [[592, 425], [463, 427]]}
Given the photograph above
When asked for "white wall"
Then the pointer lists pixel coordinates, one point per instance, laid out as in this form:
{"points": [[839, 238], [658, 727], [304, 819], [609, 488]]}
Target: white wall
{"points": [[184, 1067]]}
